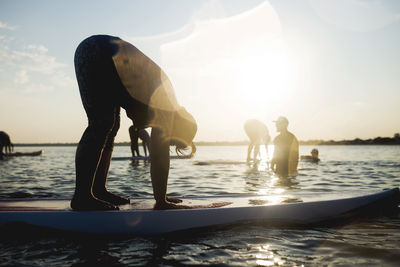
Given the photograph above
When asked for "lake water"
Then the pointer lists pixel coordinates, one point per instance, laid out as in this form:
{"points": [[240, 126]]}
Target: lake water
{"points": [[343, 170]]}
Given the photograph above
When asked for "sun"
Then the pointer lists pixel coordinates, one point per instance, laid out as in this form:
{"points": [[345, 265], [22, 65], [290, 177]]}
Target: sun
{"points": [[264, 78]]}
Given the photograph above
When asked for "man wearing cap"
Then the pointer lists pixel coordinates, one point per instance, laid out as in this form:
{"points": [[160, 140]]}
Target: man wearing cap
{"points": [[286, 150]]}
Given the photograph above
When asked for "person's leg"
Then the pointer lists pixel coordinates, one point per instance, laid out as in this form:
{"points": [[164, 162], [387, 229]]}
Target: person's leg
{"points": [[91, 69], [99, 184], [256, 151], [144, 148], [87, 160], [134, 141], [267, 154], [249, 149]]}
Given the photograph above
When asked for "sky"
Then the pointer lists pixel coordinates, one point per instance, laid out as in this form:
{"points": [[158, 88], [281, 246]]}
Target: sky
{"points": [[331, 67]]}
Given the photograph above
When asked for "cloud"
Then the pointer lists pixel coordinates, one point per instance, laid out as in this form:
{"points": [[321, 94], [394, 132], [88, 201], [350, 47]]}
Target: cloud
{"points": [[32, 58], [210, 10], [38, 87], [150, 45], [357, 15], [21, 77], [61, 79], [6, 26], [31, 66]]}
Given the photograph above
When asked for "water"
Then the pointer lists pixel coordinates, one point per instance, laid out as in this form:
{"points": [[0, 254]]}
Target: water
{"points": [[343, 170]]}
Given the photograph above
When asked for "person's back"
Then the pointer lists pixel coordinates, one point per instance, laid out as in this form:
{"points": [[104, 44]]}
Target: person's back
{"points": [[255, 129], [286, 154]]}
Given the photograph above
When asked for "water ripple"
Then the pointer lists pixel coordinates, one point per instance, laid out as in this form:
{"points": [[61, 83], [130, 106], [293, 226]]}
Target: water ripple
{"points": [[343, 170]]}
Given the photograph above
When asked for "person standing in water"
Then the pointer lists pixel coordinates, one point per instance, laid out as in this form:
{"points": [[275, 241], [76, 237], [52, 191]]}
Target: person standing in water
{"points": [[258, 134], [136, 134], [6, 144], [286, 150], [111, 74]]}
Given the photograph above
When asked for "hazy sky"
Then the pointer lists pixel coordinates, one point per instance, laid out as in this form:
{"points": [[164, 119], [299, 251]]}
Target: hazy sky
{"points": [[331, 67]]}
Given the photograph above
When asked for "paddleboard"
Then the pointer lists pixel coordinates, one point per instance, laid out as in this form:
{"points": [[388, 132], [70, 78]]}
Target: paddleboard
{"points": [[138, 218], [131, 158], [19, 154], [219, 162], [147, 158]]}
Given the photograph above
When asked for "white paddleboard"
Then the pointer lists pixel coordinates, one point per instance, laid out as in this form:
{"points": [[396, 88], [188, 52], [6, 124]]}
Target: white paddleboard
{"points": [[138, 218]]}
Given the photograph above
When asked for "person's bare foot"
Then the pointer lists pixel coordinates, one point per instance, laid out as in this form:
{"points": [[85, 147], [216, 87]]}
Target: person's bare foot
{"points": [[174, 200], [112, 198], [90, 203]]}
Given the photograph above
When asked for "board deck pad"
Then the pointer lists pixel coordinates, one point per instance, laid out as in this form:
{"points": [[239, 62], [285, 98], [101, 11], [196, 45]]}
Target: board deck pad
{"points": [[146, 203]]}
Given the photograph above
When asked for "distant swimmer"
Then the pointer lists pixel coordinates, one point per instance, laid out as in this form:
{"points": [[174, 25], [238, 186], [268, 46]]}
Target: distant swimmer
{"points": [[286, 150], [258, 134], [111, 74], [135, 134], [313, 158], [6, 144]]}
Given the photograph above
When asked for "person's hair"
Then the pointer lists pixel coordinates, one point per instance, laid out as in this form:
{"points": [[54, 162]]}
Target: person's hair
{"points": [[181, 151], [184, 130]]}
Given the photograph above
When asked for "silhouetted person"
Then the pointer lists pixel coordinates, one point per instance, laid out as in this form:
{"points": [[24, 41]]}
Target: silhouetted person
{"points": [[111, 74], [258, 134], [136, 134], [311, 158], [6, 144], [286, 150]]}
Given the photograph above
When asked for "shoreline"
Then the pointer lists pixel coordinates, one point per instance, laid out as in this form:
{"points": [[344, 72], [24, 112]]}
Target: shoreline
{"points": [[358, 142]]}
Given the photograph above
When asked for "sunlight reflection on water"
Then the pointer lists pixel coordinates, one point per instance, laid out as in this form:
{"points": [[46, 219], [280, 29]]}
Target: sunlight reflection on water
{"points": [[342, 171]]}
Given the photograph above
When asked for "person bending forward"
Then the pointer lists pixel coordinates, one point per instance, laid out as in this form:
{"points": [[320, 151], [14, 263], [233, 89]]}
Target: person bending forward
{"points": [[111, 74]]}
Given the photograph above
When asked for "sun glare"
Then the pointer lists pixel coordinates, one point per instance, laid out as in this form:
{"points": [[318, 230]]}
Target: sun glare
{"points": [[239, 65], [264, 78]]}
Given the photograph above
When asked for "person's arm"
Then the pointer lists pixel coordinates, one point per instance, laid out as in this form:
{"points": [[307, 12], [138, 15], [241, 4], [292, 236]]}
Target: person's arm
{"points": [[273, 164], [159, 169], [274, 159]]}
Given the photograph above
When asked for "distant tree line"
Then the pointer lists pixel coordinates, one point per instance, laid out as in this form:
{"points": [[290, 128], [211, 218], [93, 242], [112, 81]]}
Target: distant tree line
{"points": [[395, 140]]}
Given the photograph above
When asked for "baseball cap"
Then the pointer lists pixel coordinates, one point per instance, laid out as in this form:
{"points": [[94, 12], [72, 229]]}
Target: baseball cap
{"points": [[282, 119]]}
